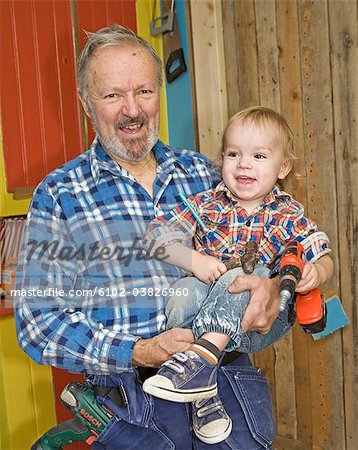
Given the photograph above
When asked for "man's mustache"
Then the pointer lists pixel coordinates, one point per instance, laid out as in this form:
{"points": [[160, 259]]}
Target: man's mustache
{"points": [[142, 119]]}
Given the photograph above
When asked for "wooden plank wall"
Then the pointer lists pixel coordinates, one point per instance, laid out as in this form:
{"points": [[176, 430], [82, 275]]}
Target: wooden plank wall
{"points": [[209, 61], [299, 57]]}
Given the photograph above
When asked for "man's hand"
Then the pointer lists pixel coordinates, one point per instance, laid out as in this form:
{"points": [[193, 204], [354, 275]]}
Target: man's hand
{"points": [[262, 309], [207, 268], [154, 351]]}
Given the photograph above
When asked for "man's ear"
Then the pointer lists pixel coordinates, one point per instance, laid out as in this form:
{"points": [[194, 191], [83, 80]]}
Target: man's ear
{"points": [[286, 167], [84, 103]]}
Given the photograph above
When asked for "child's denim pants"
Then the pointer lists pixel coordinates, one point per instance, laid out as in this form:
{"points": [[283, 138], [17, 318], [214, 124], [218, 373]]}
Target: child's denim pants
{"points": [[212, 308]]}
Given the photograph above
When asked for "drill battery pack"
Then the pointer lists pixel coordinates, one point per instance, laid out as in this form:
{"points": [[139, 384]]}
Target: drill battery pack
{"points": [[311, 311]]}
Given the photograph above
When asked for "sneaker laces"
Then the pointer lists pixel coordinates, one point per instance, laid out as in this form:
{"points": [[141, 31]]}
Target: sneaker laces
{"points": [[202, 410], [181, 357]]}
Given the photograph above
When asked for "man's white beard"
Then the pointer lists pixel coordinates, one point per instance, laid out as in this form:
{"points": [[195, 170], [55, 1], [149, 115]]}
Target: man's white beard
{"points": [[136, 148]]}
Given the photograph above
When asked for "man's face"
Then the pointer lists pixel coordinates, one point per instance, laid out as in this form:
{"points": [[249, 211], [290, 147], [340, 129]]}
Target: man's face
{"points": [[123, 101]]}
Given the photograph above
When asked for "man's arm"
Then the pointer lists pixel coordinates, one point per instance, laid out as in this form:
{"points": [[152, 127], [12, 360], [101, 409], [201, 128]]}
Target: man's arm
{"points": [[263, 307], [56, 324], [154, 351]]}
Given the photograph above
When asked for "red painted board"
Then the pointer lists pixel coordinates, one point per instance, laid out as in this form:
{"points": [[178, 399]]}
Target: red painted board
{"points": [[39, 108]]}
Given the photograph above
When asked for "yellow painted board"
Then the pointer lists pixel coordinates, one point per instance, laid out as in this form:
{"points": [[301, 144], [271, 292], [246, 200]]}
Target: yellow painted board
{"points": [[4, 425], [144, 13], [9, 206], [27, 394]]}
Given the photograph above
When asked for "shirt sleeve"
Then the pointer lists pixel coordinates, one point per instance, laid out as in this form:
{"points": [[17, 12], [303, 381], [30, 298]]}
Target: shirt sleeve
{"points": [[316, 245], [51, 328], [304, 230], [314, 242]]}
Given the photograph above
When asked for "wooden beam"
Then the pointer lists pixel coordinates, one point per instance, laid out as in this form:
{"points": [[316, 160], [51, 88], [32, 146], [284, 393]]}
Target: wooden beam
{"points": [[325, 356], [343, 31], [268, 53], [209, 68]]}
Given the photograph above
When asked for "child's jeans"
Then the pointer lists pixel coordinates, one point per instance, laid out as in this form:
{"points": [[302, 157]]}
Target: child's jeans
{"points": [[212, 308]]}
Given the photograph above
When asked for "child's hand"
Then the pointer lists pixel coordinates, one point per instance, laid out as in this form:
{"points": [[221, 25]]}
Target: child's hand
{"points": [[207, 268], [311, 278]]}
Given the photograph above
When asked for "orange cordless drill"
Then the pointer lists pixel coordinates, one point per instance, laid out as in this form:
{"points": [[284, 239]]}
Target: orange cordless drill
{"points": [[310, 306]]}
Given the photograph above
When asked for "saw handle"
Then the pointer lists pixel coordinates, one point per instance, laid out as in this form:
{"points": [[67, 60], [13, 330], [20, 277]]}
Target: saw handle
{"points": [[175, 65]]}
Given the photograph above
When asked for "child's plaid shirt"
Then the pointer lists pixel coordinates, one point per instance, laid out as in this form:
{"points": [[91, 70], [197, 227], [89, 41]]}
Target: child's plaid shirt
{"points": [[275, 222]]}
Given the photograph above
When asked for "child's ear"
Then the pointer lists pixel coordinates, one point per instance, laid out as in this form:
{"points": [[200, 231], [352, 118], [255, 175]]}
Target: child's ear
{"points": [[285, 169]]}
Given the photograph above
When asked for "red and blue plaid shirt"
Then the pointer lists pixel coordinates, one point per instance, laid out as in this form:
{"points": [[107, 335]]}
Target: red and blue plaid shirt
{"points": [[278, 220]]}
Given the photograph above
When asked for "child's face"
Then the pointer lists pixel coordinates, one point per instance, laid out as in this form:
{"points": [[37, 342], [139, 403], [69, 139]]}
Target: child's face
{"points": [[253, 160]]}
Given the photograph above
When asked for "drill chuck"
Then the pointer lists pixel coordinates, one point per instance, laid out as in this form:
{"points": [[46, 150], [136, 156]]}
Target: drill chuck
{"points": [[287, 289], [285, 296]]}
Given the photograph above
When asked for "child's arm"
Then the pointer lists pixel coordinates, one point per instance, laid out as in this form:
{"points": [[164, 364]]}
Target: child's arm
{"points": [[315, 274], [205, 268]]}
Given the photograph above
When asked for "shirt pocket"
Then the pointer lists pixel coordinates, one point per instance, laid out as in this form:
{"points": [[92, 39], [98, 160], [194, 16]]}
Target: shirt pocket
{"points": [[216, 219], [220, 235]]}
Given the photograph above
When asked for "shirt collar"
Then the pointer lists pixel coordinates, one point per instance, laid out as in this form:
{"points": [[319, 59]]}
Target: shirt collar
{"points": [[167, 160], [274, 195]]}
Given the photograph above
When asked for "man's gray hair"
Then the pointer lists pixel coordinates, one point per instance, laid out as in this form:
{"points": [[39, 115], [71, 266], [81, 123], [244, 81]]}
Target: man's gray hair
{"points": [[115, 35]]}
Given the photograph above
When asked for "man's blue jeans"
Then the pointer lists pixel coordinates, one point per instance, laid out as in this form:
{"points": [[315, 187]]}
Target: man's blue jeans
{"points": [[149, 423], [212, 308]]}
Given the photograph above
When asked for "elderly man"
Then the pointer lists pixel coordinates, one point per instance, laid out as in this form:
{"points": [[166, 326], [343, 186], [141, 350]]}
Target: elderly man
{"points": [[104, 315]]}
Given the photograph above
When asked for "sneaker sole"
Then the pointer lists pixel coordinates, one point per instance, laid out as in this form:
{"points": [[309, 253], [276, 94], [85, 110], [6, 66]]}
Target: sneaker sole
{"points": [[215, 439], [179, 396]]}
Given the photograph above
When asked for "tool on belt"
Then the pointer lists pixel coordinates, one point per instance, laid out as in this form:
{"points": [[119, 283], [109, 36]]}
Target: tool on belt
{"points": [[167, 25], [310, 306], [91, 417]]}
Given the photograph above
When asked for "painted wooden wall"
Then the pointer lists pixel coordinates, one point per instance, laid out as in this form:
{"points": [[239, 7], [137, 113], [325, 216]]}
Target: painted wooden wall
{"points": [[299, 57], [29, 394]]}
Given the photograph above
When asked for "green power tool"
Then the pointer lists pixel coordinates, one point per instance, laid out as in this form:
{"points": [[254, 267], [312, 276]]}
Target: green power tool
{"points": [[90, 419]]}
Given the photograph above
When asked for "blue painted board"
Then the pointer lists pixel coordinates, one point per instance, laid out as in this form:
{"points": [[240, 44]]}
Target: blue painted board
{"points": [[336, 318], [179, 97]]}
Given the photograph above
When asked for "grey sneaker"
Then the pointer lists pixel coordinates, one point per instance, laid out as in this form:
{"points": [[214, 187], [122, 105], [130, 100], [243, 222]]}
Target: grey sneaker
{"points": [[211, 423]]}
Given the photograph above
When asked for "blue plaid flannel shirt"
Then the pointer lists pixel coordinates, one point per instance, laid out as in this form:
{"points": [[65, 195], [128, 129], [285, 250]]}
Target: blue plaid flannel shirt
{"points": [[101, 305]]}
